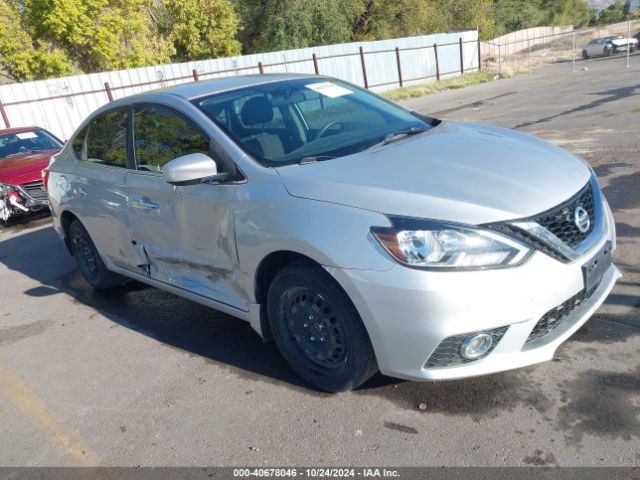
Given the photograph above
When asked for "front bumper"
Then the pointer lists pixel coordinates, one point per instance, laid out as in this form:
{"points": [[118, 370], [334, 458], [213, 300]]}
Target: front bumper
{"points": [[409, 312]]}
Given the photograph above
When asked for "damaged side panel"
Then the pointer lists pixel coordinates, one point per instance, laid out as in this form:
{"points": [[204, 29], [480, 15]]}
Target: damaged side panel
{"points": [[186, 233]]}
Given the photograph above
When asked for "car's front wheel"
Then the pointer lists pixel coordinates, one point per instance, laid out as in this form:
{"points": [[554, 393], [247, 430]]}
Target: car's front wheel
{"points": [[88, 259], [585, 55], [318, 330]]}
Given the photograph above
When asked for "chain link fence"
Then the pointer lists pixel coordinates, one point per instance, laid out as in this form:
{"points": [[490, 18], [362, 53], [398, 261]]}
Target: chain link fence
{"points": [[534, 48]]}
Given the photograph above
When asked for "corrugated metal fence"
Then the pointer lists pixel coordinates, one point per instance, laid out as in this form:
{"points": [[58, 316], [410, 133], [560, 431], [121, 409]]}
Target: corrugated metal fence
{"points": [[59, 105]]}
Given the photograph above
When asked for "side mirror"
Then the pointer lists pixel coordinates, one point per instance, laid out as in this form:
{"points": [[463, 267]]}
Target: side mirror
{"points": [[191, 169]]}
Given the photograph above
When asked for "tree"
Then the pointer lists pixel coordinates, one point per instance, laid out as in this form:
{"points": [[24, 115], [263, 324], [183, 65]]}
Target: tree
{"points": [[197, 29], [98, 34], [612, 14], [565, 12], [395, 18], [271, 25], [626, 9], [21, 58]]}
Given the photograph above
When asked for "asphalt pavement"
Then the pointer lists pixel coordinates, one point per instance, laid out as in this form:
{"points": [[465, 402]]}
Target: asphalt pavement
{"points": [[136, 376]]}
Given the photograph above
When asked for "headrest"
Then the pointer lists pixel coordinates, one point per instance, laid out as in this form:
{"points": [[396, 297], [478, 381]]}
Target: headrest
{"points": [[256, 110]]}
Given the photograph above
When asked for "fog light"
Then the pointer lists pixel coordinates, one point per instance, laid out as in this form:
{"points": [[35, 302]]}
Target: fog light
{"points": [[476, 346]]}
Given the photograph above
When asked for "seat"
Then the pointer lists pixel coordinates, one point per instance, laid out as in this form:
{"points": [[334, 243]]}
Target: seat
{"points": [[259, 111]]}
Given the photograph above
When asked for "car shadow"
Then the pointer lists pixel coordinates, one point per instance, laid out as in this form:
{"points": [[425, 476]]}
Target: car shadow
{"points": [[176, 322]]}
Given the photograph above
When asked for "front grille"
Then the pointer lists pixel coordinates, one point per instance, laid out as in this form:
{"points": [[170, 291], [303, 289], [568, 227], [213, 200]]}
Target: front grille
{"points": [[35, 190], [554, 317], [448, 352], [560, 220], [529, 239]]}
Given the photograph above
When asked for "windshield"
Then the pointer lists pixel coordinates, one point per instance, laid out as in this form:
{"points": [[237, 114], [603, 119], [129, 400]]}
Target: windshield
{"points": [[19, 143], [308, 119]]}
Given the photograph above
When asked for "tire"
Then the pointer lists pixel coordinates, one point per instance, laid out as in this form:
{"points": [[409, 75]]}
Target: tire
{"points": [[88, 259], [585, 55], [318, 330], [608, 52]]}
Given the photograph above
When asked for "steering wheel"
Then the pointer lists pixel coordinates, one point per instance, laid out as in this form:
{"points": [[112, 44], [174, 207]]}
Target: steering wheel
{"points": [[324, 129]]}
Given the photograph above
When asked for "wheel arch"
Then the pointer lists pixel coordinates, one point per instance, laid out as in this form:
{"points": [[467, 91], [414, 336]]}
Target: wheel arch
{"points": [[65, 221], [267, 269]]}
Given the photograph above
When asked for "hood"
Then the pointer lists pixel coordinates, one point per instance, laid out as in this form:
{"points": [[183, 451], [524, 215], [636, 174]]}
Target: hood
{"points": [[457, 172], [25, 168], [622, 42]]}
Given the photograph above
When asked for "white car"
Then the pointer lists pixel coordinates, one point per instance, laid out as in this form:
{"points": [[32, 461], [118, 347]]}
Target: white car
{"points": [[608, 46]]}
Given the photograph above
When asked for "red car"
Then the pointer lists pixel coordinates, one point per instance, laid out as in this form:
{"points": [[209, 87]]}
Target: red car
{"points": [[24, 154]]}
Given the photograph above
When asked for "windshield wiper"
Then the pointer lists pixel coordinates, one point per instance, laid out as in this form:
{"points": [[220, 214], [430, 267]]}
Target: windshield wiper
{"points": [[399, 135], [318, 158]]}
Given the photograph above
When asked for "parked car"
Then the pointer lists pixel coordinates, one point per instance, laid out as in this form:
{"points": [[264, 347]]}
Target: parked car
{"points": [[608, 46], [356, 234], [24, 153]]}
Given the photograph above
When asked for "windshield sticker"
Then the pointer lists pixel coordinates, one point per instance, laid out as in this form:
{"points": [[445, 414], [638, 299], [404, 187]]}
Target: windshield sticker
{"points": [[329, 89], [26, 135]]}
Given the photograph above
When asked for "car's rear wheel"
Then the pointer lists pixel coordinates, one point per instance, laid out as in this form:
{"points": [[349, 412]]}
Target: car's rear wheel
{"points": [[88, 259], [318, 330], [585, 55]]}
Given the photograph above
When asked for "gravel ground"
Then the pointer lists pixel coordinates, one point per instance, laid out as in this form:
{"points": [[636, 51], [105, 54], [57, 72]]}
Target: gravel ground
{"points": [[137, 376]]}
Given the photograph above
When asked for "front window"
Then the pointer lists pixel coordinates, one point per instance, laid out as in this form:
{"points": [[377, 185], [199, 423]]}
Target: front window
{"points": [[161, 135], [19, 143], [288, 122]]}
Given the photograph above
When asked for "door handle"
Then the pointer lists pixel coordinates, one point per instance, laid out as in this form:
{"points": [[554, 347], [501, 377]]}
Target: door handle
{"points": [[145, 203]]}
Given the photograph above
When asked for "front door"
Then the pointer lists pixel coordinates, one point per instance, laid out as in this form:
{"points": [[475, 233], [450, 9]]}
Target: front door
{"points": [[186, 233]]}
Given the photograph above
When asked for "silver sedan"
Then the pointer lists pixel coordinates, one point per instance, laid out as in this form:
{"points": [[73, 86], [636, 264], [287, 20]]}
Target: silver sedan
{"points": [[359, 236]]}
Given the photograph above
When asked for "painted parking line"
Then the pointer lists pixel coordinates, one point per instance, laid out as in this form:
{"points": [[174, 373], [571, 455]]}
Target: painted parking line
{"points": [[37, 412]]}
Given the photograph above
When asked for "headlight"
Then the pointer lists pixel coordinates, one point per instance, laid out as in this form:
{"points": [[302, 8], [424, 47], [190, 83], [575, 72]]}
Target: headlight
{"points": [[435, 245]]}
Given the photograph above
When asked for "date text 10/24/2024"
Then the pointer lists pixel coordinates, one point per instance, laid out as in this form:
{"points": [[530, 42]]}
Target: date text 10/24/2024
{"points": [[317, 472]]}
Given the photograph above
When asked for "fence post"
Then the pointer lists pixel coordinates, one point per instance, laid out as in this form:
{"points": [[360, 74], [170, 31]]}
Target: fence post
{"points": [[399, 67], [479, 56], [529, 46], [107, 87], [435, 51], [315, 64], [461, 59], [364, 69], [628, 44], [5, 118], [260, 67], [573, 52], [500, 57], [196, 77]]}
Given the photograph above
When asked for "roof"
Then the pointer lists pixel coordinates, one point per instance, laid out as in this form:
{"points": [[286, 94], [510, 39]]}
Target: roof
{"points": [[206, 87]]}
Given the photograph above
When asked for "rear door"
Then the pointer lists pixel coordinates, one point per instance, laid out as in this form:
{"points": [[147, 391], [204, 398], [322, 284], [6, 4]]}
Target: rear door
{"points": [[97, 191], [186, 232]]}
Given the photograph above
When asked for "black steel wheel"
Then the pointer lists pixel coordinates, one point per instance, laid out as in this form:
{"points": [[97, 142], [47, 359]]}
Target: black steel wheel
{"points": [[88, 259], [318, 330]]}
